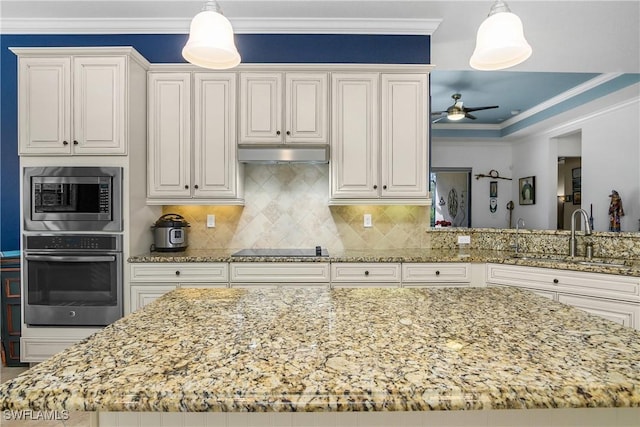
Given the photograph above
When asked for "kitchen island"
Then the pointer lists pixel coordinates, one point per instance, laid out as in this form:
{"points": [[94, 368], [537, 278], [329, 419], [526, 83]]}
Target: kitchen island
{"points": [[342, 350]]}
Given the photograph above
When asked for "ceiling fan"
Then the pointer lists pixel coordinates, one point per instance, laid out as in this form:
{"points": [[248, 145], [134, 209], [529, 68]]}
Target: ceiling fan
{"points": [[457, 111]]}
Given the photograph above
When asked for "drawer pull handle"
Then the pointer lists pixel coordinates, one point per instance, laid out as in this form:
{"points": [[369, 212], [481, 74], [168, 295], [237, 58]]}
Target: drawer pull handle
{"points": [[366, 273], [177, 272], [555, 281], [437, 272]]}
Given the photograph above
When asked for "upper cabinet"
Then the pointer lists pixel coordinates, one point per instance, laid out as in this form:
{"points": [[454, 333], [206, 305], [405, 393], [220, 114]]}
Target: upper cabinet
{"points": [[380, 142], [79, 101], [283, 108], [191, 153]]}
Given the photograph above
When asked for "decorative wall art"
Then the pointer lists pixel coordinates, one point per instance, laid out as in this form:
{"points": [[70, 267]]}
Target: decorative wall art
{"points": [[493, 196], [527, 193]]}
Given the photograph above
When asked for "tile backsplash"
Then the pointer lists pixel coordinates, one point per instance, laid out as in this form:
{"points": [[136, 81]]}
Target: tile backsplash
{"points": [[286, 205]]}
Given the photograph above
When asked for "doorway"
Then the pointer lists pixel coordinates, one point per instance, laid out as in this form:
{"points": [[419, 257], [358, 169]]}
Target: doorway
{"points": [[451, 189]]}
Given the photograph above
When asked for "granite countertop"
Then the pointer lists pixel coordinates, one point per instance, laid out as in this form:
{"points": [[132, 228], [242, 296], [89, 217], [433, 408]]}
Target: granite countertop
{"points": [[341, 350], [626, 267]]}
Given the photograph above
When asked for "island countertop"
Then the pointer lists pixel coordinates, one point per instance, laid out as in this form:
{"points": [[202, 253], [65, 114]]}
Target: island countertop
{"points": [[400, 349]]}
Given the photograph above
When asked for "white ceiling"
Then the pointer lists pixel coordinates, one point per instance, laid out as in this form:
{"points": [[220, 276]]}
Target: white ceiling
{"points": [[567, 36]]}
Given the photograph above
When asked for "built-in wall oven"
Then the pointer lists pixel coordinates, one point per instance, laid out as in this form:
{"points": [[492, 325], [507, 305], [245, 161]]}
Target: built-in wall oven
{"points": [[72, 198], [72, 279]]}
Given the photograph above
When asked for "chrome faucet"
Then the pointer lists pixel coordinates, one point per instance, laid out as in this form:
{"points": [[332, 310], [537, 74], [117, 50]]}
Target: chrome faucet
{"points": [[587, 230], [520, 220]]}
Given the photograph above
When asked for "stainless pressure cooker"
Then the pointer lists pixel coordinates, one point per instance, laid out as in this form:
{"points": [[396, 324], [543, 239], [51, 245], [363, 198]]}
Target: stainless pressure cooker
{"points": [[170, 233]]}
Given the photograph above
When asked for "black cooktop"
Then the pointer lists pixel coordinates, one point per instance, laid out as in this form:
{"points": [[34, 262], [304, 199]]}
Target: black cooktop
{"points": [[312, 252]]}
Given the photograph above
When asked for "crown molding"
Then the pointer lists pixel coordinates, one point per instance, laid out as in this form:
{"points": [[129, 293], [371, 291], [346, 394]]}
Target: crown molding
{"points": [[240, 26]]}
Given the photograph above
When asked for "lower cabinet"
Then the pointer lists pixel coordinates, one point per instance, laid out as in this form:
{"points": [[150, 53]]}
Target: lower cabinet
{"points": [[365, 275], [149, 281], [613, 297], [269, 274], [418, 275], [11, 319]]}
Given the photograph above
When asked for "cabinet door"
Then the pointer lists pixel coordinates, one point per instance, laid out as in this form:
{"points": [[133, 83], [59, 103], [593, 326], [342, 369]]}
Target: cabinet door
{"points": [[354, 138], [142, 295], [624, 313], [99, 105], [261, 108], [404, 144], [306, 108], [215, 164], [44, 105], [169, 139]]}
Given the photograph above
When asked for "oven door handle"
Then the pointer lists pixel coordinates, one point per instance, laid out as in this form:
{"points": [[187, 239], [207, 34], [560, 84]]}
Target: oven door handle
{"points": [[70, 258]]}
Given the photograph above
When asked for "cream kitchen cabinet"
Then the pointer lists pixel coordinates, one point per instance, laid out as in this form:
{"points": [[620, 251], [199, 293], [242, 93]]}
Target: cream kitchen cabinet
{"points": [[80, 101], [365, 275], [379, 152], [288, 274], [191, 145], [150, 281], [611, 296], [453, 274], [283, 108]]}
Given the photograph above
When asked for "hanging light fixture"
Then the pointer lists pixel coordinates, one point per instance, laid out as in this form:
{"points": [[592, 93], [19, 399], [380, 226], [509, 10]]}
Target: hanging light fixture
{"points": [[211, 43], [500, 42]]}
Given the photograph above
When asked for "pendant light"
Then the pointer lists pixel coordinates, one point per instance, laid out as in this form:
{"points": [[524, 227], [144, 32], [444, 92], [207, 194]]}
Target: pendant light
{"points": [[211, 43], [500, 42]]}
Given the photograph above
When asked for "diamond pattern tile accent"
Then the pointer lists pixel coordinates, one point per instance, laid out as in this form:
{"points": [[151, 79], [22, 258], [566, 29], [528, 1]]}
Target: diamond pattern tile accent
{"points": [[287, 206]]}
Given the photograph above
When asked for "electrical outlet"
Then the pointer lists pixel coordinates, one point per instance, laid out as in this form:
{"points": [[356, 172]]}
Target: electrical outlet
{"points": [[464, 240], [211, 221], [367, 220]]}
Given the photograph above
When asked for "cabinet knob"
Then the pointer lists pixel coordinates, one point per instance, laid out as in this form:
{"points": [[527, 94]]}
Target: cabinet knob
{"points": [[177, 272], [375, 187], [65, 143], [277, 132], [384, 187], [75, 142], [437, 272], [186, 187], [366, 273], [288, 133], [195, 186], [556, 281]]}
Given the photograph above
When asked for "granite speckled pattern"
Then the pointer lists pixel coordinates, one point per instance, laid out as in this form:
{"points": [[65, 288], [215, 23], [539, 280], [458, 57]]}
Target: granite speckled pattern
{"points": [[341, 350], [628, 267]]}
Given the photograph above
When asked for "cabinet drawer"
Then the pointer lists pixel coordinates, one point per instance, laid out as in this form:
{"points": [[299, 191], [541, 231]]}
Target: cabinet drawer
{"points": [[436, 273], [40, 349], [624, 313], [595, 284], [180, 272], [280, 272], [365, 272]]}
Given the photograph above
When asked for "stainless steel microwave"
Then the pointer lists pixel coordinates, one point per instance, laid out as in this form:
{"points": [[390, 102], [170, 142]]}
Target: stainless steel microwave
{"points": [[72, 198]]}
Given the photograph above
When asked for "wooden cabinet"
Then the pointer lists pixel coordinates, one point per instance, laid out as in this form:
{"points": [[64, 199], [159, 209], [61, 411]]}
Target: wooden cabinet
{"points": [[283, 108], [415, 275], [79, 101], [379, 152], [611, 296], [260, 274], [11, 298], [150, 281], [193, 165], [356, 275]]}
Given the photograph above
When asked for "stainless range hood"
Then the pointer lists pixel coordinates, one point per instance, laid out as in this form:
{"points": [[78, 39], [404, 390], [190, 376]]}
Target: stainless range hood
{"points": [[283, 153]]}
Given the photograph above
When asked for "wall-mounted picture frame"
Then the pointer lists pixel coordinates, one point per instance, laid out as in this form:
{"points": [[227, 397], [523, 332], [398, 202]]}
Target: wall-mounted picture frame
{"points": [[527, 190], [577, 198], [493, 189]]}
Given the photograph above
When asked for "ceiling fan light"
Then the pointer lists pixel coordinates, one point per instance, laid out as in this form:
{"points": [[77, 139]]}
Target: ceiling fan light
{"points": [[211, 41], [455, 115], [500, 42]]}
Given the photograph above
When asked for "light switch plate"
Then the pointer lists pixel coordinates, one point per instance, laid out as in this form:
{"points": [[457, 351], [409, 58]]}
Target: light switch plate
{"points": [[211, 221], [367, 220], [464, 240]]}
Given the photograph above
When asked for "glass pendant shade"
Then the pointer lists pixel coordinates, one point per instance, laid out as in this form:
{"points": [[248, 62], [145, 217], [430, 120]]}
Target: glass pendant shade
{"points": [[211, 44], [500, 43], [455, 115]]}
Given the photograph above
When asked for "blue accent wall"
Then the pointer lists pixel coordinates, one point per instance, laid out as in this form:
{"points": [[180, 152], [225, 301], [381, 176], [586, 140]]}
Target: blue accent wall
{"points": [[166, 48]]}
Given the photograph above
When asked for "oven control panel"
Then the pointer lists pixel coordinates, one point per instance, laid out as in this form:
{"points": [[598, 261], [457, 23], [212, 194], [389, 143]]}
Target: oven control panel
{"points": [[67, 242]]}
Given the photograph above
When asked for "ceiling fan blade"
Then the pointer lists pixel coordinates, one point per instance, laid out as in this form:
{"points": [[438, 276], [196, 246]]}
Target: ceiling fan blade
{"points": [[468, 109], [438, 119], [470, 116], [438, 113]]}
